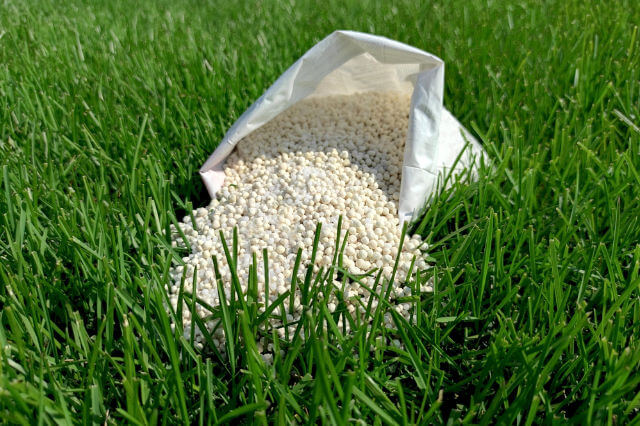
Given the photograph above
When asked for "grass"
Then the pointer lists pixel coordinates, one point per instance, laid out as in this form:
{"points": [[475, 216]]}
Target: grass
{"points": [[108, 109]]}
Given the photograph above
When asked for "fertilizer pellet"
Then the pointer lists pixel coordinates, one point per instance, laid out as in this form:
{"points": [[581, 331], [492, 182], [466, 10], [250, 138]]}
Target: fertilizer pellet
{"points": [[321, 159]]}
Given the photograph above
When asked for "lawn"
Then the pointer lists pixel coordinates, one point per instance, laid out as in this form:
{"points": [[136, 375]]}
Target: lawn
{"points": [[108, 109]]}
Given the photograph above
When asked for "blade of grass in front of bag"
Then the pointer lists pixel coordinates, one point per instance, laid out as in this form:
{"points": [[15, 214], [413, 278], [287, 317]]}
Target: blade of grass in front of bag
{"points": [[251, 271], [179, 230], [179, 307], [264, 316], [205, 304], [255, 366], [417, 292], [193, 306], [267, 293], [277, 357], [165, 300], [322, 373], [336, 251], [235, 281], [206, 334], [372, 294], [227, 321], [384, 300], [407, 281], [294, 279], [283, 320], [234, 245], [407, 278], [321, 277], [306, 306], [397, 261], [331, 367], [252, 286], [344, 245], [375, 322], [292, 355], [314, 251], [331, 324]]}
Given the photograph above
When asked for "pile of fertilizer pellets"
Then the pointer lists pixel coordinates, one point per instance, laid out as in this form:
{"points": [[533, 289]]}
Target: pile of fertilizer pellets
{"points": [[321, 159]]}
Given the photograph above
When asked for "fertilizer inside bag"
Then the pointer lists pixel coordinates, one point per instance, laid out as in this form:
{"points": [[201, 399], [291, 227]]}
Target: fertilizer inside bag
{"points": [[347, 63], [345, 146]]}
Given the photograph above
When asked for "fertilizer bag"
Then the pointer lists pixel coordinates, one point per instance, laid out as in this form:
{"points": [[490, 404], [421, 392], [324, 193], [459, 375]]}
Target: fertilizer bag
{"points": [[346, 63]]}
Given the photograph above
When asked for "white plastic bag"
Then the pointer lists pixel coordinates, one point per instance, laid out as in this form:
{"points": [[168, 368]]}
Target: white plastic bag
{"points": [[348, 62]]}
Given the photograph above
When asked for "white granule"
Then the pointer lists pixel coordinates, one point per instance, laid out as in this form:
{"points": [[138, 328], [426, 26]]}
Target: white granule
{"points": [[319, 160]]}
